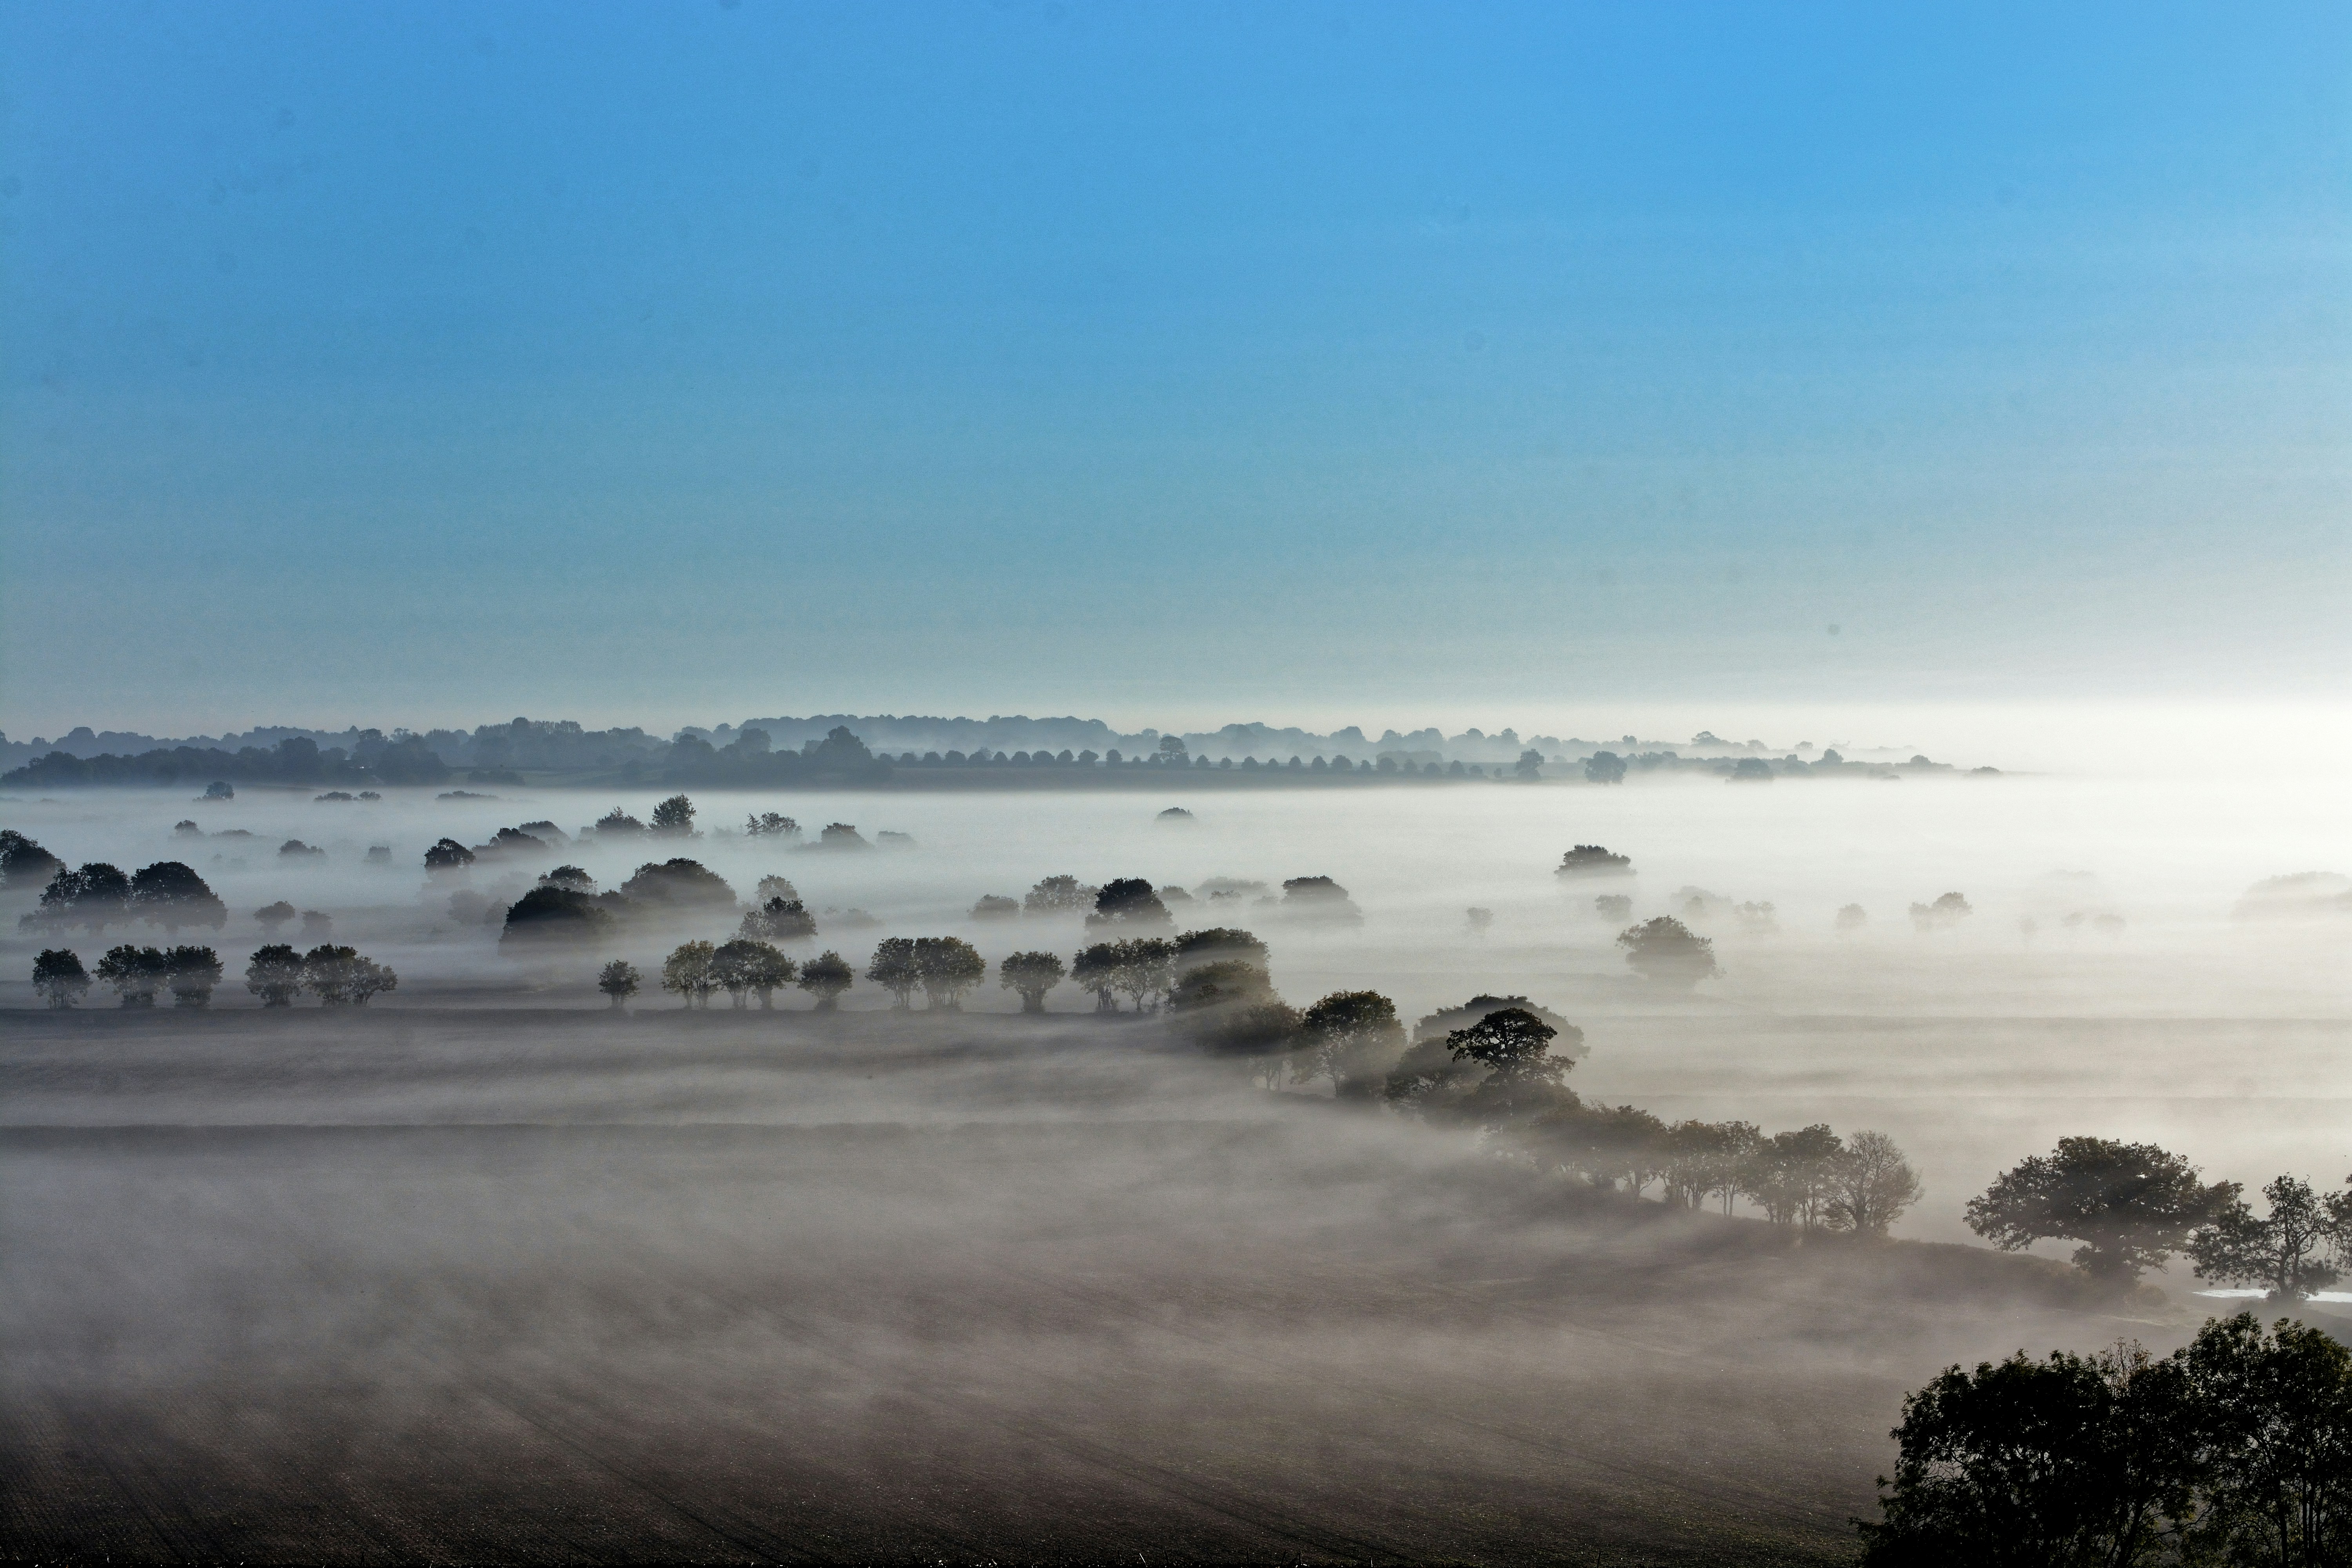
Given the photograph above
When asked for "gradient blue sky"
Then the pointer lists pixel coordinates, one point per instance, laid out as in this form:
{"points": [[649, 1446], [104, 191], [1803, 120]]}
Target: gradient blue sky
{"points": [[1178, 363]]}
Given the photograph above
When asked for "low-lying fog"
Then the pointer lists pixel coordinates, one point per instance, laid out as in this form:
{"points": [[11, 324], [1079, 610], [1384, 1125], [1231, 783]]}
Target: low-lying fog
{"points": [[486, 1271]]}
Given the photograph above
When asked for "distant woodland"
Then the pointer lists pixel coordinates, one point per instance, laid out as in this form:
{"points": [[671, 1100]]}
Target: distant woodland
{"points": [[900, 752]]}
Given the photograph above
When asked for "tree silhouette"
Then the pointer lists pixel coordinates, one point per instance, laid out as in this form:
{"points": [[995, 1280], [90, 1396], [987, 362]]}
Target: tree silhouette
{"points": [[2280, 1251], [1870, 1184], [1127, 901], [58, 976], [135, 972], [1590, 860], [2131, 1206], [272, 916], [95, 896], [947, 966], [191, 973], [1351, 1038], [1059, 895], [1604, 768], [1665, 952], [274, 973], [825, 977], [680, 884], [779, 920], [893, 968], [24, 863], [619, 981], [1032, 974], [675, 818], [1096, 969], [690, 973], [448, 855]]}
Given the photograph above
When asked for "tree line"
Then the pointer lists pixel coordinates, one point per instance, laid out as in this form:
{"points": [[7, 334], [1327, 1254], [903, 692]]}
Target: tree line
{"points": [[276, 974]]}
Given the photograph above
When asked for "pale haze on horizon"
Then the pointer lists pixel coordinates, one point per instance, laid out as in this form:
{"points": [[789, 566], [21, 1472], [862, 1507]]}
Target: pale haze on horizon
{"points": [[1534, 366]]}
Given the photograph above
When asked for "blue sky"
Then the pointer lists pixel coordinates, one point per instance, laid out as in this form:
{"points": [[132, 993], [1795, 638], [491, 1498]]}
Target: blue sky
{"points": [[670, 363]]}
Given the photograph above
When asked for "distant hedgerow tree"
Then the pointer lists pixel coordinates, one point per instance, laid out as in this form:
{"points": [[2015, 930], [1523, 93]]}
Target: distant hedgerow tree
{"points": [[1032, 974], [893, 968], [619, 981], [1351, 1038], [689, 973], [170, 895], [948, 967], [675, 818], [192, 974], [1096, 969], [1604, 768], [1059, 895], [825, 977], [24, 863], [135, 972], [448, 855], [779, 920], [1128, 901], [271, 916], [58, 976], [275, 974]]}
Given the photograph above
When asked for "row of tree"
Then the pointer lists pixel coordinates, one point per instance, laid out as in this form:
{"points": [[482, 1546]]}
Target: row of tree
{"points": [[2236, 1449], [276, 974]]}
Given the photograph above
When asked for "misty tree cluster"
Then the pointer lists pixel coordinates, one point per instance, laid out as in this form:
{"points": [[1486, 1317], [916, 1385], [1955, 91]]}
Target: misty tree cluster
{"points": [[2235, 1449], [2132, 1206], [373, 759]]}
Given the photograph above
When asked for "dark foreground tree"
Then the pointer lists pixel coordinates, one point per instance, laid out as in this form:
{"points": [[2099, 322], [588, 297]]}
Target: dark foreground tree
{"points": [[1032, 974], [825, 977], [275, 974], [58, 976], [619, 981], [2276, 1414], [2283, 1251], [2026, 1464], [2131, 1206], [1666, 952], [135, 972], [1490, 1074], [1351, 1038]]}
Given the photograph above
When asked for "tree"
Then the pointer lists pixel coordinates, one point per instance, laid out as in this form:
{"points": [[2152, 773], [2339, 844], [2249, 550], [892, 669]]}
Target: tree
{"points": [[679, 884], [2132, 1205], [93, 898], [771, 825], [570, 879], [1032, 974], [1495, 1070], [619, 981], [1789, 1175], [135, 972], [1127, 901], [774, 886], [58, 976], [675, 818], [1529, 766], [994, 907], [1943, 914], [170, 895], [1143, 967], [1703, 1161], [275, 974], [894, 969], [779, 920], [1320, 899], [767, 970], [2070, 1460], [24, 863], [271, 916], [191, 973], [689, 971], [1666, 952], [328, 972], [2280, 1251], [1096, 969], [1604, 768], [1602, 1144], [948, 967], [617, 823], [731, 968], [448, 855], [2276, 1414], [1059, 895], [1195, 947], [1351, 1038], [550, 915], [1589, 860], [1869, 1184], [825, 977]]}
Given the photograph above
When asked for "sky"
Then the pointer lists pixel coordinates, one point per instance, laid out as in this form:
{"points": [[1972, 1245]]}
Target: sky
{"points": [[661, 363]]}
